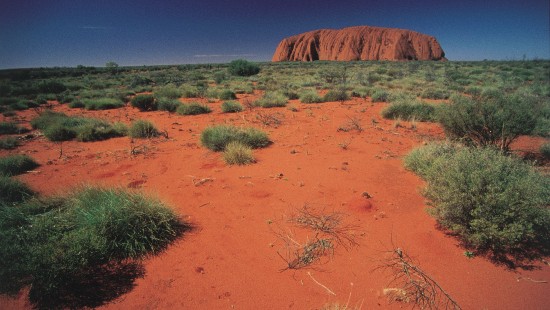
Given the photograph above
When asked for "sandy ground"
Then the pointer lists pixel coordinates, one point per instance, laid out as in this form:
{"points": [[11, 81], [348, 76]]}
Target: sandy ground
{"points": [[234, 258]]}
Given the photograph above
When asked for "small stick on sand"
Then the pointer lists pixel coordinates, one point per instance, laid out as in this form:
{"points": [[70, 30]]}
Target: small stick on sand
{"points": [[326, 288]]}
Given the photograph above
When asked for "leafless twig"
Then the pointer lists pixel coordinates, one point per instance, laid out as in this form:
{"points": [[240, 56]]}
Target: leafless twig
{"points": [[412, 284]]}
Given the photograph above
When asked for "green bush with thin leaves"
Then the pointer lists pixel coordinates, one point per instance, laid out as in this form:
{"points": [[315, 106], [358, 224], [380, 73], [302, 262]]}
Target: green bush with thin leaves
{"points": [[242, 67], [193, 108], [272, 100], [433, 93], [142, 129], [227, 95], [167, 104], [238, 153], [486, 121], [48, 243], [380, 95], [16, 164], [102, 104], [218, 137], [310, 97], [545, 151], [493, 202], [58, 126], [416, 110], [231, 107], [11, 128], [13, 191], [169, 91], [336, 95], [8, 143], [144, 102]]}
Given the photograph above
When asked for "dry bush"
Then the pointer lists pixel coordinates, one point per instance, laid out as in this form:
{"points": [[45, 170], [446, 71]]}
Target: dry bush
{"points": [[410, 284], [270, 119], [329, 232], [353, 123]]}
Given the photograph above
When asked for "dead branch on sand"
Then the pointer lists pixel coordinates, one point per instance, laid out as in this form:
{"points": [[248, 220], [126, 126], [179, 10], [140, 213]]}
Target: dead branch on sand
{"points": [[413, 284], [329, 232]]}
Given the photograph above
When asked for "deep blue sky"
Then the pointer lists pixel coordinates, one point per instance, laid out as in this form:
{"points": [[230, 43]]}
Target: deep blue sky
{"points": [[46, 33]]}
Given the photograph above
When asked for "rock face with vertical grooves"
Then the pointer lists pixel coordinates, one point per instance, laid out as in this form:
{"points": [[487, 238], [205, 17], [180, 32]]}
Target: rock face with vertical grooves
{"points": [[359, 43]]}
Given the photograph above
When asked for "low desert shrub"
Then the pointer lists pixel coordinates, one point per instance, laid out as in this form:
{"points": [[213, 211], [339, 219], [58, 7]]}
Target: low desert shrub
{"points": [[60, 127], [237, 153], [188, 91], [231, 107], [242, 67], [11, 128], [57, 240], [142, 129], [97, 130], [435, 93], [102, 103], [336, 95], [419, 111], [216, 138], [169, 91], [493, 202], [484, 121], [421, 160], [51, 87], [58, 133], [545, 150], [226, 95], [144, 102], [77, 104], [193, 108], [167, 104], [8, 143], [380, 95], [12, 191], [272, 100], [310, 97], [16, 164]]}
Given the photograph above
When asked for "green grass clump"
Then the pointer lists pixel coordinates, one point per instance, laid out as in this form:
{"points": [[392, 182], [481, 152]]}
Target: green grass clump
{"points": [[77, 104], [432, 93], [217, 138], [545, 150], [242, 67], [16, 164], [142, 129], [336, 95], [144, 102], [60, 127], [188, 91], [237, 153], [419, 111], [227, 95], [169, 91], [12, 191], [493, 202], [272, 100], [485, 121], [8, 143], [380, 95], [11, 128], [60, 242], [193, 109], [310, 97], [102, 103], [167, 104], [97, 130], [231, 107]]}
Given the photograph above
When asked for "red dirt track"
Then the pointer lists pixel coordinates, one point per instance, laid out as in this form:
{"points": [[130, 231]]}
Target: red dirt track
{"points": [[230, 260]]}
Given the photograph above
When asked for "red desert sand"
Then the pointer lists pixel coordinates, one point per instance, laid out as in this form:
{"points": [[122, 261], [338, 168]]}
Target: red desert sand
{"points": [[234, 258]]}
